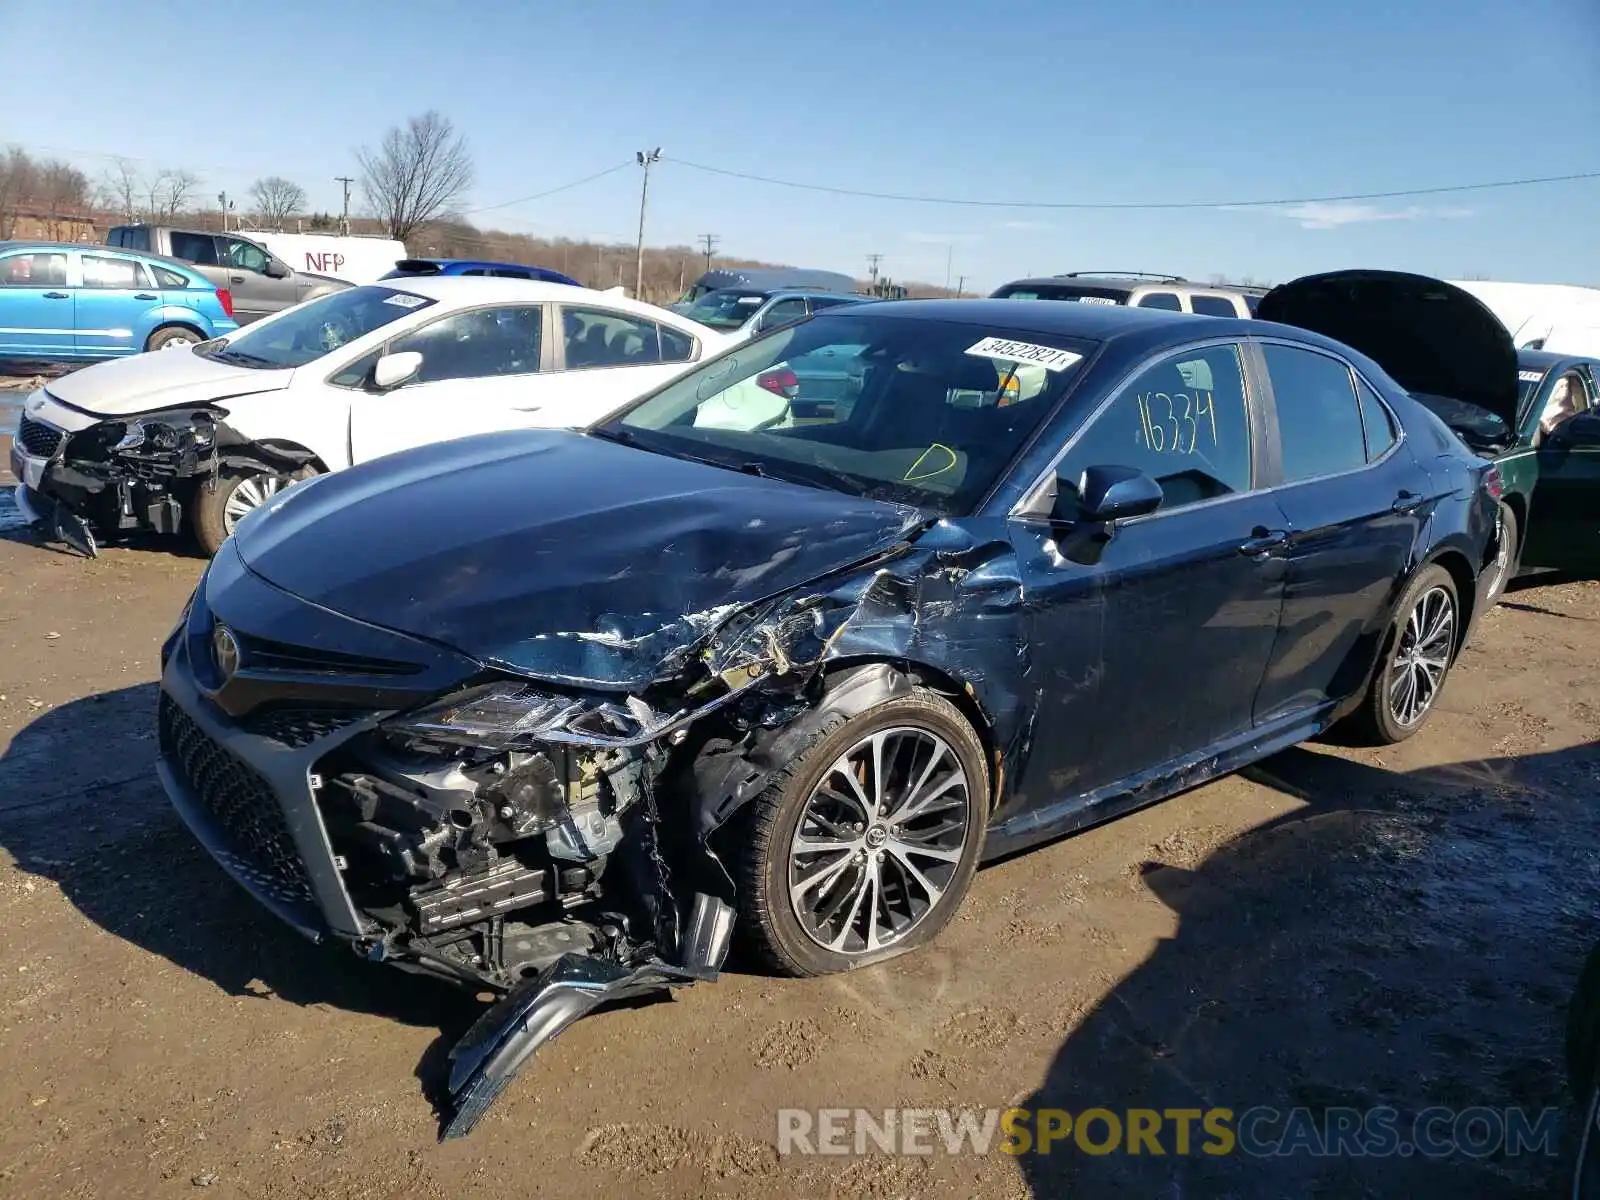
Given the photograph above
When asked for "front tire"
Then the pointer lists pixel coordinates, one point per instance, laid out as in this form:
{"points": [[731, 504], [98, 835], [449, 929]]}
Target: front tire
{"points": [[1417, 655], [864, 846], [217, 510], [169, 337], [1504, 566]]}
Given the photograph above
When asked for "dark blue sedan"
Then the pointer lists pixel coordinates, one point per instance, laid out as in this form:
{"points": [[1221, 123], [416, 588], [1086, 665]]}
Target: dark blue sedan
{"points": [[409, 268], [561, 713]]}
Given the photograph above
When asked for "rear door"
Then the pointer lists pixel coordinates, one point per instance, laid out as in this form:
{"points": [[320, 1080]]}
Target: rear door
{"points": [[1354, 501], [481, 372], [1564, 520], [115, 305], [36, 305]]}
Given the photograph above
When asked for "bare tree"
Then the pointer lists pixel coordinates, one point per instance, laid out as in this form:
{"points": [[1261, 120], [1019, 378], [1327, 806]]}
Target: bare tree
{"points": [[168, 191], [277, 199], [119, 188], [16, 182], [417, 174]]}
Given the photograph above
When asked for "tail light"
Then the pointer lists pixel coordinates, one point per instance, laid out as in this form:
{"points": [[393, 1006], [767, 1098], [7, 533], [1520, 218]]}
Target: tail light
{"points": [[1493, 483], [226, 297], [780, 382]]}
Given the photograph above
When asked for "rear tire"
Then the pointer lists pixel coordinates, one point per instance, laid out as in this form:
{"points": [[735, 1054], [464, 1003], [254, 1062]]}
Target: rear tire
{"points": [[216, 510], [1417, 655], [905, 859], [170, 336]]}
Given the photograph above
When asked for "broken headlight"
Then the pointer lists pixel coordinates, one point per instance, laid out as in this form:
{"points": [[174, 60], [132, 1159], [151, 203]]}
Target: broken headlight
{"points": [[504, 716], [166, 433]]}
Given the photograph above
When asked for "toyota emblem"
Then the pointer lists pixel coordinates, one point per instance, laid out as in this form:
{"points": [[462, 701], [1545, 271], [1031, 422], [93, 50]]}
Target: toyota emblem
{"points": [[225, 648]]}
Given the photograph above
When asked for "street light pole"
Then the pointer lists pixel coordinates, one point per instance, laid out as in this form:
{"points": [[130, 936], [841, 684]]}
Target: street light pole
{"points": [[645, 159]]}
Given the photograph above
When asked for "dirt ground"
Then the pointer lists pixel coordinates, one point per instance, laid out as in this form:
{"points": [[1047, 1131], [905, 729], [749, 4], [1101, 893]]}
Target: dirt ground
{"points": [[1338, 927]]}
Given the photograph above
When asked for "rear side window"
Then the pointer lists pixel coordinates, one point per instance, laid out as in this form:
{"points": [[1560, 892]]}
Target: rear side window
{"points": [[1166, 300], [195, 247], [101, 272], [33, 270], [596, 338], [675, 346], [1319, 417], [170, 279], [1212, 306], [1375, 419]]}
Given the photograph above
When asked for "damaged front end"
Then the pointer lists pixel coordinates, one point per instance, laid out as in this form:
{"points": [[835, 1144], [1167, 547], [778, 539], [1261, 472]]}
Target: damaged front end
{"points": [[127, 474]]}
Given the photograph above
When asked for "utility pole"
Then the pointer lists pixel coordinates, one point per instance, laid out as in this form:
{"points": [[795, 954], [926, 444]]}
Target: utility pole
{"points": [[344, 220], [710, 241], [949, 257], [872, 267], [961, 286], [222, 203], [645, 159]]}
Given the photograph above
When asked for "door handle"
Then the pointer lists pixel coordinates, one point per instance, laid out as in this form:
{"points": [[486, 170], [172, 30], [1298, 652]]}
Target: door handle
{"points": [[55, 295], [235, 278], [1407, 502], [1263, 542], [145, 296]]}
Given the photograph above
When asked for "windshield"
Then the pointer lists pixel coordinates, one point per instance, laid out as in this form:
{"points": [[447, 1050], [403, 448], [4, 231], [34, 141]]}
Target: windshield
{"points": [[1478, 427], [910, 410], [1062, 291], [315, 328], [725, 309]]}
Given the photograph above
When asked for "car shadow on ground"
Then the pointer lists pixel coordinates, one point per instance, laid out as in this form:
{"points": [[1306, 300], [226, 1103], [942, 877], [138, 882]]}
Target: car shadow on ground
{"points": [[1403, 940], [80, 805]]}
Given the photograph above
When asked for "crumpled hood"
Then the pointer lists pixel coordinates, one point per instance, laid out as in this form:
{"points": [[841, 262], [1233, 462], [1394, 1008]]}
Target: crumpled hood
{"points": [[160, 379], [1430, 336], [556, 554]]}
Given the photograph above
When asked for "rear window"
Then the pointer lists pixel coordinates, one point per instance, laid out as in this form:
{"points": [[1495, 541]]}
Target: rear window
{"points": [[416, 266], [1062, 291]]}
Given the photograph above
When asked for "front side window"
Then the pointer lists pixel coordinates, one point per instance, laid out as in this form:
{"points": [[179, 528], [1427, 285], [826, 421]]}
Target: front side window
{"points": [[594, 337], [1568, 398], [195, 247], [1166, 300], [317, 327], [1212, 306], [246, 256], [1183, 421], [912, 410], [477, 344], [1319, 418], [99, 272], [33, 270]]}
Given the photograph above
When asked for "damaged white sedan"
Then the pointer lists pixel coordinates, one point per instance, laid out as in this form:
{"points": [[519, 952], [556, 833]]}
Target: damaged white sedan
{"points": [[201, 435]]}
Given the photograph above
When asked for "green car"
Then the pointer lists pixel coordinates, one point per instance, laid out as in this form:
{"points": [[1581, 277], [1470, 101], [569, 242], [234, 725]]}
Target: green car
{"points": [[1534, 413]]}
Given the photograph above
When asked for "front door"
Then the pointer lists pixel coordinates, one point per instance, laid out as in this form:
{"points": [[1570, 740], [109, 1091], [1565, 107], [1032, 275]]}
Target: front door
{"points": [[1353, 498], [36, 308], [1150, 648], [479, 369], [114, 306], [1564, 519], [255, 293]]}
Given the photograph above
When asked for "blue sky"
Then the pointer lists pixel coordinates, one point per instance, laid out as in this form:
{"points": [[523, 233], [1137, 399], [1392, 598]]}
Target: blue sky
{"points": [[1128, 102]]}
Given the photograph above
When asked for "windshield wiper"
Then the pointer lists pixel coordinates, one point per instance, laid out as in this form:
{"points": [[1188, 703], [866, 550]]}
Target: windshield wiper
{"points": [[240, 357]]}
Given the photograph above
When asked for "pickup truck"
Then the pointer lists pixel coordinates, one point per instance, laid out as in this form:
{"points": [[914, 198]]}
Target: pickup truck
{"points": [[261, 283]]}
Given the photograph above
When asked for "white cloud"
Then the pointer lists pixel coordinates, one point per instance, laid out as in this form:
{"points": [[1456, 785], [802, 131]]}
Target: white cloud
{"points": [[1334, 214], [1020, 224]]}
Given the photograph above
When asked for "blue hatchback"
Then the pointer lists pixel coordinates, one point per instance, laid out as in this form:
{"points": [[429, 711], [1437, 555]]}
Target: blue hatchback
{"points": [[408, 267], [59, 300]]}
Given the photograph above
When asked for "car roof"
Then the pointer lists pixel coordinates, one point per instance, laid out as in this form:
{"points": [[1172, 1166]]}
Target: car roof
{"points": [[1096, 321], [164, 260], [1544, 360], [1091, 279], [483, 289]]}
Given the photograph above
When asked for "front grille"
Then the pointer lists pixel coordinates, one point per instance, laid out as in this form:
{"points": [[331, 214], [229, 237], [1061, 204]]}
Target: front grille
{"points": [[297, 726], [241, 802], [39, 439]]}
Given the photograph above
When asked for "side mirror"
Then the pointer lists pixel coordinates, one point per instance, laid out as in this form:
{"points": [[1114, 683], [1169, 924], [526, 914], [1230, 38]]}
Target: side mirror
{"points": [[1106, 494], [276, 270], [1578, 432], [392, 370]]}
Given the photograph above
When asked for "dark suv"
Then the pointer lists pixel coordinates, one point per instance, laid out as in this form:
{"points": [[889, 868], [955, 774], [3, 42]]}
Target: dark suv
{"points": [[1138, 290]]}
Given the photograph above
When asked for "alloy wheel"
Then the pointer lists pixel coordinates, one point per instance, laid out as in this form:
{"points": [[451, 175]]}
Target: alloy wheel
{"points": [[249, 494], [1422, 656], [879, 840]]}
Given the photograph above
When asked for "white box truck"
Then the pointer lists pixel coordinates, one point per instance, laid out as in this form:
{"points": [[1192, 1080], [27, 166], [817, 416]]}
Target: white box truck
{"points": [[353, 259]]}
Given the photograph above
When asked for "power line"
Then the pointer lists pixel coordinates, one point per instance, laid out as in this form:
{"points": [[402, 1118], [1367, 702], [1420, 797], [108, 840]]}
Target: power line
{"points": [[552, 191], [1164, 205]]}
